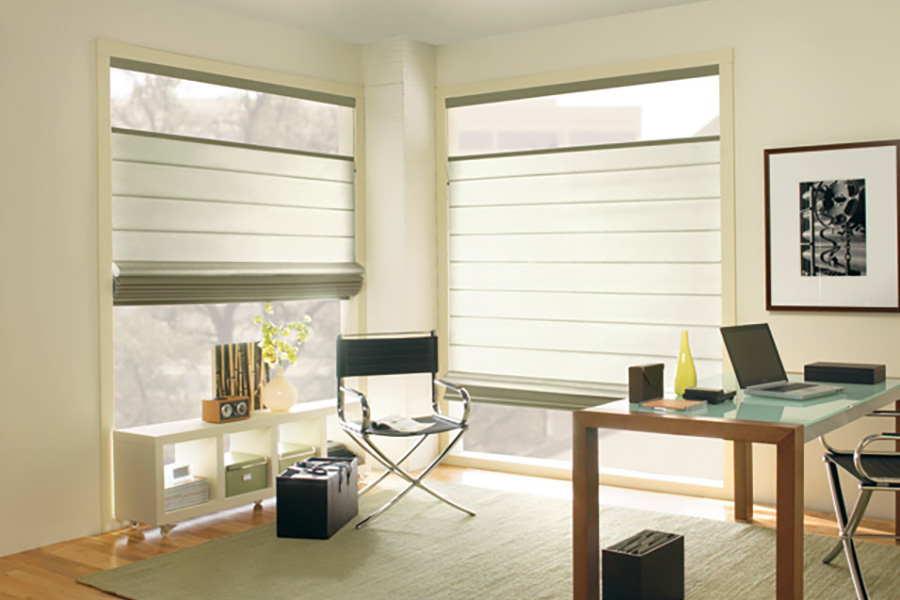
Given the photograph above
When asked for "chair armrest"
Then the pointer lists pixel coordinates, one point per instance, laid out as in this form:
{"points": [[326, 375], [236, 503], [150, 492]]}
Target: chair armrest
{"points": [[366, 414], [858, 454], [884, 413], [464, 396]]}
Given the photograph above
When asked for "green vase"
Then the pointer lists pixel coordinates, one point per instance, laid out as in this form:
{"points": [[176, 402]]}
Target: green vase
{"points": [[685, 374]]}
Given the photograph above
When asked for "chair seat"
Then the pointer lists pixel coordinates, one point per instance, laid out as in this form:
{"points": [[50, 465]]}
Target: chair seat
{"points": [[435, 425], [876, 465]]}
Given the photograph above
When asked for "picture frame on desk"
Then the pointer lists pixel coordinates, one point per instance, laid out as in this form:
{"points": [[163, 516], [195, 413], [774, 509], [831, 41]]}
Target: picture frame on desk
{"points": [[831, 216]]}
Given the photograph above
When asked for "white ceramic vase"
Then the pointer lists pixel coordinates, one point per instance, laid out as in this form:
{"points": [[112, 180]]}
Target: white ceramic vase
{"points": [[279, 394]]}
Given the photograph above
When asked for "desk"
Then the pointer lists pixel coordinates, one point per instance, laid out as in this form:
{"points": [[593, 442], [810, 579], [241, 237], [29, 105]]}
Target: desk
{"points": [[788, 424]]}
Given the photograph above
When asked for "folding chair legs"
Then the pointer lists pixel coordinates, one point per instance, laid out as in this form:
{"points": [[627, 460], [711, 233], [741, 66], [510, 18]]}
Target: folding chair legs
{"points": [[847, 527], [393, 467], [388, 471]]}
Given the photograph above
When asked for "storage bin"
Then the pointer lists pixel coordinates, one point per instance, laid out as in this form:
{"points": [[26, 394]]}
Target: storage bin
{"points": [[316, 499], [290, 454], [245, 473], [646, 566]]}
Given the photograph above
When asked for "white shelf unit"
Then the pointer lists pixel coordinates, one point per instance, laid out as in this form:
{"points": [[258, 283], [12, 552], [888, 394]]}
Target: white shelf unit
{"points": [[138, 455]]}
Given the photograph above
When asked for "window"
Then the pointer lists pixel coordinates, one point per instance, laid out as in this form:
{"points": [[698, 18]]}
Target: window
{"points": [[163, 363], [142, 98], [583, 241], [226, 193]]}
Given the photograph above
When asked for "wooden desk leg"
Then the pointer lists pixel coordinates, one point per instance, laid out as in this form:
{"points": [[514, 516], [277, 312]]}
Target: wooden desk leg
{"points": [[586, 512], [743, 481], [789, 518]]}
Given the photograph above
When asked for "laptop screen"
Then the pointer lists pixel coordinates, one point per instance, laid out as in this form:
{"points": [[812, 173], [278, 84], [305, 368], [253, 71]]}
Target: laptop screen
{"points": [[753, 354]]}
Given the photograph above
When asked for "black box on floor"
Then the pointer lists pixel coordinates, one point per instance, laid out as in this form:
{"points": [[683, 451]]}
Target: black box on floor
{"points": [[646, 566], [844, 372], [316, 497]]}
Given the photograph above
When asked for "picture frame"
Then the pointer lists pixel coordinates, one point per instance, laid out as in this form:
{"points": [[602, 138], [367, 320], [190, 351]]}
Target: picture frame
{"points": [[832, 228], [240, 372]]}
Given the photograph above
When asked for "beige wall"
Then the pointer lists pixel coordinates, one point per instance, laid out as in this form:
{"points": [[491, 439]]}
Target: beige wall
{"points": [[805, 73], [49, 430]]}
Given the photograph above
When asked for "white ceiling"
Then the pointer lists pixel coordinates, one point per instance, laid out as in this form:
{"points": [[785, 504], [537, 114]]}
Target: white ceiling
{"points": [[433, 21]]}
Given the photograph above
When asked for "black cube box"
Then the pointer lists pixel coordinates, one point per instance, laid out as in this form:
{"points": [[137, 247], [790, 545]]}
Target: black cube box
{"points": [[844, 372], [646, 566], [316, 497]]}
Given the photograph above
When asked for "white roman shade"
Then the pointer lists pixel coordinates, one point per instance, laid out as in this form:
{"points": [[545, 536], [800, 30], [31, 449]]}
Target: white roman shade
{"points": [[568, 266], [203, 221]]}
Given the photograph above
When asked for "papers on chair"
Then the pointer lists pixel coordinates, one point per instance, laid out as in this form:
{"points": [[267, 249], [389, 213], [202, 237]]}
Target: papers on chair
{"points": [[401, 424]]}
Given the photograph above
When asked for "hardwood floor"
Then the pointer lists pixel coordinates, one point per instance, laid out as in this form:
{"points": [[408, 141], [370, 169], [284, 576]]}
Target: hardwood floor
{"points": [[50, 572]]}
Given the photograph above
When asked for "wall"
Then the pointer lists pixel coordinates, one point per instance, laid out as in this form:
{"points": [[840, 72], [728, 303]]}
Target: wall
{"points": [[400, 215], [805, 73], [49, 433]]}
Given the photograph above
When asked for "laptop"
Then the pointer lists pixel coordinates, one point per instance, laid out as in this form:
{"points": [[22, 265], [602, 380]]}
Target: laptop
{"points": [[758, 367]]}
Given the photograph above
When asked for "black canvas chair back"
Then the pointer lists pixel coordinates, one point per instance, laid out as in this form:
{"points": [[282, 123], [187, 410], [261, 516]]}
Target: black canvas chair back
{"points": [[396, 354], [363, 357], [874, 471]]}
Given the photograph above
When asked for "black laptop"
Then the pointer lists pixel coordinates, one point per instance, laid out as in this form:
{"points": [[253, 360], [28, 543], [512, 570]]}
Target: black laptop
{"points": [[758, 367]]}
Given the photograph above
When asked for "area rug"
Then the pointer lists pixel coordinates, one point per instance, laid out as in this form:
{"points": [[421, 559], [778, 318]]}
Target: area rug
{"points": [[517, 547]]}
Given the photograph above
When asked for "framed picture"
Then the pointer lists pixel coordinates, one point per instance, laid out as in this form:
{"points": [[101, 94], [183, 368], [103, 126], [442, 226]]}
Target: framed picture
{"points": [[832, 227]]}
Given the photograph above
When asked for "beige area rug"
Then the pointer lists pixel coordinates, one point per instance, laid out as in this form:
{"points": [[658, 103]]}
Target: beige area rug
{"points": [[518, 547]]}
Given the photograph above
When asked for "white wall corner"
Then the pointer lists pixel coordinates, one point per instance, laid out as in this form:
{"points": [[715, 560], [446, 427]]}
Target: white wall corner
{"points": [[399, 77]]}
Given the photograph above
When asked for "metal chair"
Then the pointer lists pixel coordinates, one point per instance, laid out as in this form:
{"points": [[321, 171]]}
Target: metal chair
{"points": [[396, 354], [875, 471]]}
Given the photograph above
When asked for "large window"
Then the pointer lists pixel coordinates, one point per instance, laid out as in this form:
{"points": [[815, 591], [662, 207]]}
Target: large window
{"points": [[584, 236], [225, 194]]}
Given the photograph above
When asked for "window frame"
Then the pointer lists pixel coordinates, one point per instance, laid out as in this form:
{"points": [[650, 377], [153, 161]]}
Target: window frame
{"points": [[353, 313], [622, 73]]}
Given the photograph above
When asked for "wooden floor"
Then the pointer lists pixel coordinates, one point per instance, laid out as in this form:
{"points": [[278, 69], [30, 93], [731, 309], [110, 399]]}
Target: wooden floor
{"points": [[50, 571]]}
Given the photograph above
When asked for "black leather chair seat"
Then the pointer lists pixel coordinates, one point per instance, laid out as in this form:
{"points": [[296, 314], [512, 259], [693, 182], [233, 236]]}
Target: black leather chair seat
{"points": [[875, 465]]}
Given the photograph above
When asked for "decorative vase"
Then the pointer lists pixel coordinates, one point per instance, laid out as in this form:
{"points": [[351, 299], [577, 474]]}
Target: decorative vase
{"points": [[685, 374], [279, 394]]}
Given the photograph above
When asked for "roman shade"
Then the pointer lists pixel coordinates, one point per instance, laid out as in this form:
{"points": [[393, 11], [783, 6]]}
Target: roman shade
{"points": [[582, 86], [568, 266], [205, 221]]}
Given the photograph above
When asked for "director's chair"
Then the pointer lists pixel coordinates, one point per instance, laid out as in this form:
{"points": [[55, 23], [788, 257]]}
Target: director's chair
{"points": [[874, 471], [396, 354]]}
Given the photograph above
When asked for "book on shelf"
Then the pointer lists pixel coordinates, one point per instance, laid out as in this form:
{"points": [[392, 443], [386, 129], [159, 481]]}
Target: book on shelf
{"points": [[187, 492]]}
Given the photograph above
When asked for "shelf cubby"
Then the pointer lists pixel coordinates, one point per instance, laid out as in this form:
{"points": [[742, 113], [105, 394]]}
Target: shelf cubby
{"points": [[139, 456]]}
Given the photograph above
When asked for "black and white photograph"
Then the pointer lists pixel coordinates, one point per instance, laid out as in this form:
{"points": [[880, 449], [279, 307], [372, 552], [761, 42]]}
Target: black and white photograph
{"points": [[831, 215], [833, 228]]}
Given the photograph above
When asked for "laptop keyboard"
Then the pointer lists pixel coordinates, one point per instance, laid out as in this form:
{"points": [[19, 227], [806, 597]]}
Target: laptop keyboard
{"points": [[789, 387]]}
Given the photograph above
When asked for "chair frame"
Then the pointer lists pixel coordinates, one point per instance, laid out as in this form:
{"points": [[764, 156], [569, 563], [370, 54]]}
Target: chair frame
{"points": [[361, 433], [847, 525]]}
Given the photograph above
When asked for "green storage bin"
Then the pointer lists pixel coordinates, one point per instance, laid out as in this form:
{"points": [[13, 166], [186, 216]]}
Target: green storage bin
{"points": [[245, 473], [289, 453]]}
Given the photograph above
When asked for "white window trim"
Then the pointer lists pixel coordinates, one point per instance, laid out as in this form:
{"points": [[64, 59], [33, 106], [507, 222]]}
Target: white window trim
{"points": [[725, 61], [353, 313]]}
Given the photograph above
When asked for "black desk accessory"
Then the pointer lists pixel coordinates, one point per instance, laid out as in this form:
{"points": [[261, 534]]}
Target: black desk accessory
{"points": [[316, 497], [646, 566], [844, 372], [645, 382], [711, 395]]}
